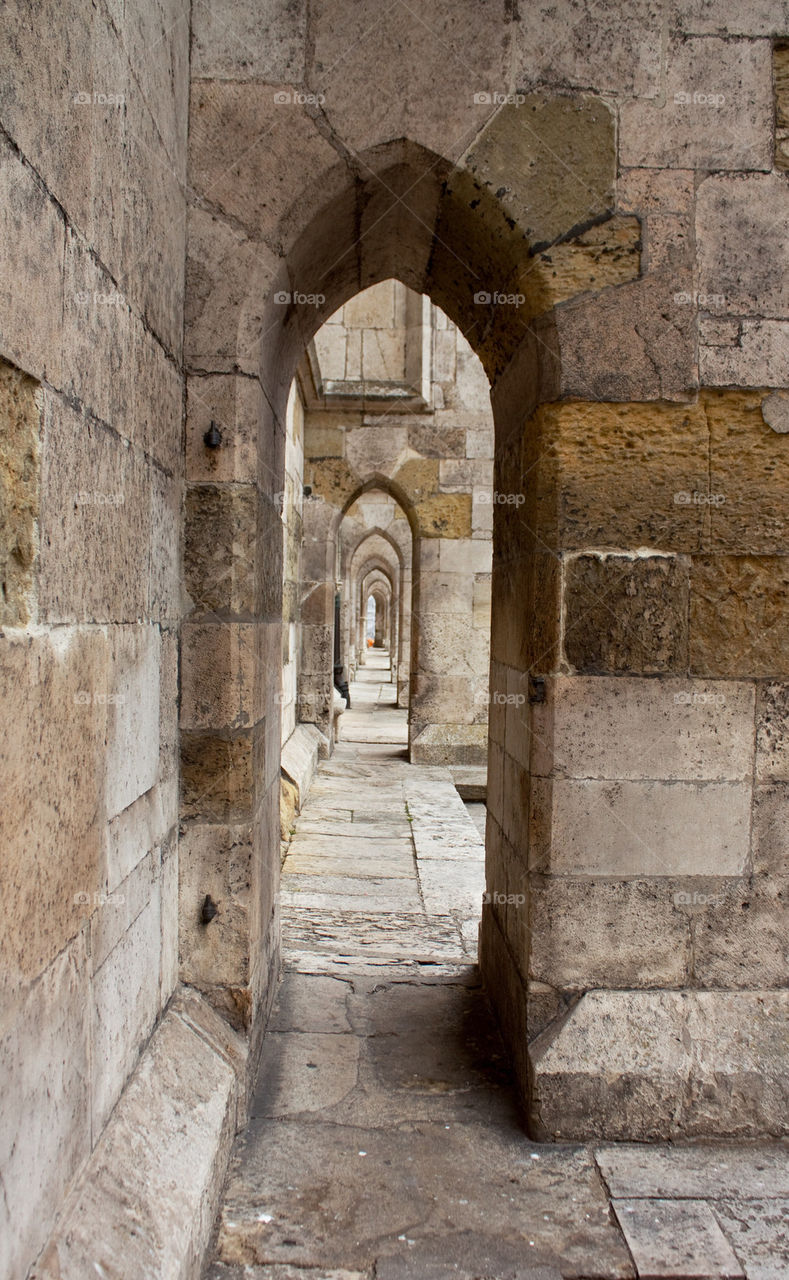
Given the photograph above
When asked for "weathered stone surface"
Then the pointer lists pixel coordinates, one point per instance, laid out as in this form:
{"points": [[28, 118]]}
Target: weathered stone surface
{"points": [[632, 933], [263, 125], [781, 82], [146, 1201], [717, 109], [756, 1229], [747, 469], [733, 1041], [742, 211], [626, 613], [669, 1238], [125, 1005], [629, 828], [770, 839], [570, 142], [740, 940], [630, 343], [574, 453], [57, 702], [45, 1061], [706, 1172], [95, 511], [468, 48], [19, 493], [738, 615], [249, 43], [31, 296], [750, 353], [595, 727], [591, 48], [228, 276]]}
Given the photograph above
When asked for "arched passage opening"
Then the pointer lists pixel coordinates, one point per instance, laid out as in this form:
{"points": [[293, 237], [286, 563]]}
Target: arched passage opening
{"points": [[543, 277]]}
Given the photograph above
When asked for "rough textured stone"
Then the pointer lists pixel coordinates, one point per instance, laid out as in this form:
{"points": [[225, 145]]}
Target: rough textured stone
{"points": [[626, 613], [745, 212], [19, 493], [738, 615]]}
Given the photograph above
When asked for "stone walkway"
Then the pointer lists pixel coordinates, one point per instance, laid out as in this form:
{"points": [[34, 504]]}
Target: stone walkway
{"points": [[384, 1142]]}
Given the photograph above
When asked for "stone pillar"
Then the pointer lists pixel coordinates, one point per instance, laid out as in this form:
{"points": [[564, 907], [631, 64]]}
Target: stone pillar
{"points": [[230, 707], [635, 903]]}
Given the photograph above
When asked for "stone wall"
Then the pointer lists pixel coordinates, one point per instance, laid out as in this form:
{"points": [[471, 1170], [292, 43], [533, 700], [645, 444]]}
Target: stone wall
{"points": [[597, 198], [93, 114]]}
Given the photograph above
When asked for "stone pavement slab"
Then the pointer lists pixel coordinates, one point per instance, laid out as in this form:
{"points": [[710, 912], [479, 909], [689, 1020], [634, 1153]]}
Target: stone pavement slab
{"points": [[676, 1238], [703, 1170]]}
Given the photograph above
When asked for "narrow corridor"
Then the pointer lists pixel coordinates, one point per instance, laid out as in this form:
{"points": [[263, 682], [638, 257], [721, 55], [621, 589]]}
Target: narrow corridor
{"points": [[384, 1142]]}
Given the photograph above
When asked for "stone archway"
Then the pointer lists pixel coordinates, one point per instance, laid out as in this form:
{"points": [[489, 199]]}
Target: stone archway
{"points": [[591, 366]]}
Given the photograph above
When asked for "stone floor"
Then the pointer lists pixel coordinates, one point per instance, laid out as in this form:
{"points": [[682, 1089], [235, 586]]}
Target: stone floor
{"points": [[384, 1142]]}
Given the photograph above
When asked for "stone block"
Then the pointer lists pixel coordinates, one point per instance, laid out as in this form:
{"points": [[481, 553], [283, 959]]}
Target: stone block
{"points": [[770, 838], [632, 934], [772, 732], [19, 494], [299, 760], [659, 1064], [676, 1237], [630, 343], [222, 675], [468, 49], [626, 613], [599, 727], [125, 1004], [655, 454], [132, 741], [267, 125], [224, 551], [444, 515], [570, 142], [95, 511], [747, 468], [585, 45], [323, 439], [253, 42], [220, 775], [597, 257], [634, 828], [717, 112], [742, 258], [753, 353], [99, 337], [146, 1202], [54, 769], [216, 862], [234, 403], [143, 826], [740, 940], [45, 1126], [738, 616], [228, 277], [168, 908]]}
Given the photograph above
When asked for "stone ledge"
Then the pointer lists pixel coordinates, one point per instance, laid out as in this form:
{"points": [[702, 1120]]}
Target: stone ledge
{"points": [[642, 1065], [146, 1202], [300, 755]]}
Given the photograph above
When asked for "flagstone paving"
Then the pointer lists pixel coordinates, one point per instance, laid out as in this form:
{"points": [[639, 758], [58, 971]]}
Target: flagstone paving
{"points": [[384, 1142]]}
